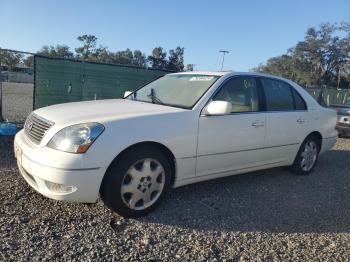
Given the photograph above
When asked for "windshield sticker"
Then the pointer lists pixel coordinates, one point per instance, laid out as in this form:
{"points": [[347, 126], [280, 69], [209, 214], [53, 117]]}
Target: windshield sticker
{"points": [[201, 78], [249, 83]]}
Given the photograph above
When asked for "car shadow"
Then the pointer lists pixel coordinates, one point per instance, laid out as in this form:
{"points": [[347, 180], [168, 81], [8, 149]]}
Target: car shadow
{"points": [[7, 158], [272, 200]]}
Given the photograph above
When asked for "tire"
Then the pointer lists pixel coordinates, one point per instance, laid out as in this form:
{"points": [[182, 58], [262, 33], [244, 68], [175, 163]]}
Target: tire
{"points": [[135, 182], [307, 156]]}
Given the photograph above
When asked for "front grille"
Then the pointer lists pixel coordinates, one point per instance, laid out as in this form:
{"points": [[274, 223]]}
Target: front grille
{"points": [[35, 127]]}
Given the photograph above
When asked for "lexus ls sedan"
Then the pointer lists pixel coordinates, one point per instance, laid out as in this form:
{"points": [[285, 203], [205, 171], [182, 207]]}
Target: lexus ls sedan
{"points": [[180, 129]]}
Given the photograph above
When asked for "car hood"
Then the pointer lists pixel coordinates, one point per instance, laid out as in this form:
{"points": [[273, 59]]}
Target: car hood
{"points": [[101, 111]]}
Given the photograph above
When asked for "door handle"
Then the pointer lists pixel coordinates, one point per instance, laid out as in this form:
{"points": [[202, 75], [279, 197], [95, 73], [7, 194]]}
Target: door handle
{"points": [[301, 121], [258, 124]]}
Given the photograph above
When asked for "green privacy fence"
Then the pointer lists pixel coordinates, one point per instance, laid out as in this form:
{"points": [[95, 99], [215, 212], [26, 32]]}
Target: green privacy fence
{"points": [[61, 80], [330, 96]]}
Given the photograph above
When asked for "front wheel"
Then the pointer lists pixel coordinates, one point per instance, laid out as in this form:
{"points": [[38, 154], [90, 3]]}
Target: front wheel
{"points": [[135, 183], [307, 156]]}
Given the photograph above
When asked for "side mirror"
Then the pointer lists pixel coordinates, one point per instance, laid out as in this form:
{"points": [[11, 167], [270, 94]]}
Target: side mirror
{"points": [[127, 93], [217, 108]]}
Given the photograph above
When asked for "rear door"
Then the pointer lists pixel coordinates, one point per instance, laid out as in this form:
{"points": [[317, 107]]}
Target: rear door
{"points": [[287, 120]]}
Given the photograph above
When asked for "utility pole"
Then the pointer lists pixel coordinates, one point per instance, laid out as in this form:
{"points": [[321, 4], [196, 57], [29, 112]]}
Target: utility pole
{"points": [[224, 52]]}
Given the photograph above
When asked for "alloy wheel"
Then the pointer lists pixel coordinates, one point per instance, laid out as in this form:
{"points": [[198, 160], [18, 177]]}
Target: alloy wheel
{"points": [[308, 156], [143, 184]]}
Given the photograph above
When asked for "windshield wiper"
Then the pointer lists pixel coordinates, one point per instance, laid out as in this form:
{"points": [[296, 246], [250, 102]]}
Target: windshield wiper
{"points": [[155, 99]]}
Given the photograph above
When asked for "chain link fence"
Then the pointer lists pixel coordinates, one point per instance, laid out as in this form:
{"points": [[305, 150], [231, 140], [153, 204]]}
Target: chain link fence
{"points": [[16, 85], [330, 96], [29, 81], [37, 81]]}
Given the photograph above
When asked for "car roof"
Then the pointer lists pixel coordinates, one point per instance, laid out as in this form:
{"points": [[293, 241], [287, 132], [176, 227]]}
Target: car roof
{"points": [[211, 73], [227, 73]]}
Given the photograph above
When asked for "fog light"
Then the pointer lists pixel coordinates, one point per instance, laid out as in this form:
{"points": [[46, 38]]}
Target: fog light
{"points": [[60, 188]]}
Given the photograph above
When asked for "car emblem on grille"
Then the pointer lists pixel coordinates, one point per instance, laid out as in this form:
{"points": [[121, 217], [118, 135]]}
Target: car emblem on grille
{"points": [[30, 126]]}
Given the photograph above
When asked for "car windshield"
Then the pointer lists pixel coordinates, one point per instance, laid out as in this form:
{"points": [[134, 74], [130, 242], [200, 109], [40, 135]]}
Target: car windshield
{"points": [[182, 90], [347, 103]]}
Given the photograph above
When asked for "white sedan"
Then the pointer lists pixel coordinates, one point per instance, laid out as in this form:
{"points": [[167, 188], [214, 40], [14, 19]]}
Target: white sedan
{"points": [[180, 129]]}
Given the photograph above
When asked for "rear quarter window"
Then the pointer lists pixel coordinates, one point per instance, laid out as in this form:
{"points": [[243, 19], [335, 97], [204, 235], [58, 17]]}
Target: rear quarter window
{"points": [[278, 95], [299, 101]]}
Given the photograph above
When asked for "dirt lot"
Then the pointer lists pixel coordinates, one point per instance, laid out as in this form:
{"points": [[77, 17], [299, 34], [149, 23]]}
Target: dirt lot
{"points": [[262, 216], [17, 101]]}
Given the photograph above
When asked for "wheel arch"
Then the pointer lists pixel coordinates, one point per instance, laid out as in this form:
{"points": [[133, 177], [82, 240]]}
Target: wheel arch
{"points": [[295, 167], [159, 146], [317, 135]]}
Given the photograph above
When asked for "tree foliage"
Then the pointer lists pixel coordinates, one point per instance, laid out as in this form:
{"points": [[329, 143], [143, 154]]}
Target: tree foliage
{"points": [[189, 67], [176, 59], [102, 54], [88, 51], [322, 58], [88, 47], [61, 51], [158, 58], [29, 61], [139, 59], [124, 57], [9, 60]]}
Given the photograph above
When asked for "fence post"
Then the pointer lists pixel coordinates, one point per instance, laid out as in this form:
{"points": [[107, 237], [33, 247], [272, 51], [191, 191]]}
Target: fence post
{"points": [[1, 118]]}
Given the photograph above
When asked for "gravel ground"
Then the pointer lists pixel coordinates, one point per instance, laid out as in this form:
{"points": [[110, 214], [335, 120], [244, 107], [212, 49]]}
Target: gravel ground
{"points": [[261, 216], [17, 101]]}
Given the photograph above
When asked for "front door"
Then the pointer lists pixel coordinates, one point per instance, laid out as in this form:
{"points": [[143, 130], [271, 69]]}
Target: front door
{"points": [[235, 141]]}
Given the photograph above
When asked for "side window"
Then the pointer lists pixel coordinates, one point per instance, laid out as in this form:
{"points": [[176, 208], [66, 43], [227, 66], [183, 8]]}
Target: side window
{"points": [[242, 92], [278, 95], [299, 101]]}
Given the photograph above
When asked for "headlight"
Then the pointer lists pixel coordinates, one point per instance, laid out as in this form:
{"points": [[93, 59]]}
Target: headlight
{"points": [[77, 138]]}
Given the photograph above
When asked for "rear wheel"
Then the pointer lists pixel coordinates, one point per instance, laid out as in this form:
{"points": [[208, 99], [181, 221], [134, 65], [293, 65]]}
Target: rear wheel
{"points": [[135, 183], [307, 156]]}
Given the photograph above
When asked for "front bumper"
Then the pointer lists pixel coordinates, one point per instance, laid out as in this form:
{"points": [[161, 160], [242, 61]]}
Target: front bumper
{"points": [[64, 179]]}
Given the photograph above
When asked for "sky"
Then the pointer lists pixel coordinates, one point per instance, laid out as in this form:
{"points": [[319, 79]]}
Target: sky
{"points": [[252, 31]]}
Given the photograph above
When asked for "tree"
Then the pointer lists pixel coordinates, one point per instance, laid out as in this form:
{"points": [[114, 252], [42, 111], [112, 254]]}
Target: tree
{"points": [[322, 58], [61, 51], [176, 59], [89, 52], [29, 61], [139, 59], [158, 58], [103, 55], [124, 57], [324, 51], [189, 67], [10, 59], [88, 47]]}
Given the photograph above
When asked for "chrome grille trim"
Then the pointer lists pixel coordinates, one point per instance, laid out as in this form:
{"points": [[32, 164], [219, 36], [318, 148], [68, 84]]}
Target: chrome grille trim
{"points": [[36, 127]]}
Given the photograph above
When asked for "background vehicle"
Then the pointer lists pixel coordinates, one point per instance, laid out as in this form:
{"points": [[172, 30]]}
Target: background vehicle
{"points": [[343, 112], [180, 129]]}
